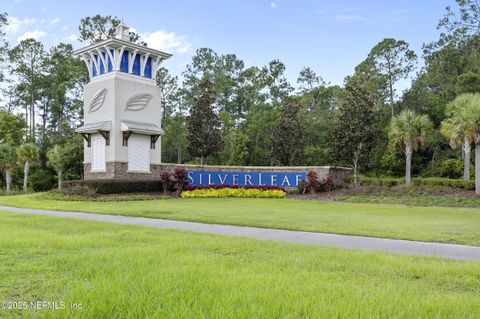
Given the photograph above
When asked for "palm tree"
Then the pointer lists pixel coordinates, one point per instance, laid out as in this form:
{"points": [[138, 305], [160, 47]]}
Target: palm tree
{"points": [[410, 132], [465, 117], [54, 156], [8, 157], [460, 128], [27, 154]]}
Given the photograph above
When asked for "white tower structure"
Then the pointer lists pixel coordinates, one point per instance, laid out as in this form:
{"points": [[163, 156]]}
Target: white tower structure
{"points": [[122, 108]]}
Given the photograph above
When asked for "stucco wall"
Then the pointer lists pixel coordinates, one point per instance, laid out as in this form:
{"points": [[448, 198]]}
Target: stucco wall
{"points": [[121, 87]]}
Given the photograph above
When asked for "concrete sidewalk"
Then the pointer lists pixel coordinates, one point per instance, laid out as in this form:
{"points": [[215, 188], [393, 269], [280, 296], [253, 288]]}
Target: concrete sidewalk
{"points": [[300, 237]]}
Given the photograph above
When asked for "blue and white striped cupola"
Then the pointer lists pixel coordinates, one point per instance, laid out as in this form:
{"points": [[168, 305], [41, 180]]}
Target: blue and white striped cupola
{"points": [[118, 54]]}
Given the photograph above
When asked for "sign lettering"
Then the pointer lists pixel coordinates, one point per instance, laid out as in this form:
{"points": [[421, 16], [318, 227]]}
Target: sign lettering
{"points": [[281, 179]]}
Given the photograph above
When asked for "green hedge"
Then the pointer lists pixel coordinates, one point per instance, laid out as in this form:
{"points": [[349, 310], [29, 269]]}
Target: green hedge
{"points": [[435, 181], [429, 181], [381, 181], [115, 186], [60, 196]]}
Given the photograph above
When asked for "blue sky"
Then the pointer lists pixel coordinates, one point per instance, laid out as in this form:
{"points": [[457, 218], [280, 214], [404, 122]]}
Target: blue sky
{"points": [[332, 37]]}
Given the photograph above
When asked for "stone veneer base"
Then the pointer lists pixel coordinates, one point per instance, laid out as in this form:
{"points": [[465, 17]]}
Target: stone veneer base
{"points": [[119, 170]]}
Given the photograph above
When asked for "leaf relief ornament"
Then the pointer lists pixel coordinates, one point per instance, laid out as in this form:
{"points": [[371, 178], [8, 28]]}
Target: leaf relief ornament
{"points": [[97, 100], [138, 102]]}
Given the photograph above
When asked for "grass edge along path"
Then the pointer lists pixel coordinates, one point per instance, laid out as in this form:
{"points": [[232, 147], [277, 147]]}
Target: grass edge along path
{"points": [[118, 271], [456, 252], [433, 224]]}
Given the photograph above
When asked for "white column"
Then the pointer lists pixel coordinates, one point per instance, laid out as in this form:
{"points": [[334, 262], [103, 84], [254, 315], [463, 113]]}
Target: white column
{"points": [[95, 62], [103, 60], [88, 63], [155, 67], [118, 58], [144, 64], [131, 60], [111, 56]]}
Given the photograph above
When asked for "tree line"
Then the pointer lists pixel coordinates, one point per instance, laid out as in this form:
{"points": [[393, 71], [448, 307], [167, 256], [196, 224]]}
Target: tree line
{"points": [[222, 112]]}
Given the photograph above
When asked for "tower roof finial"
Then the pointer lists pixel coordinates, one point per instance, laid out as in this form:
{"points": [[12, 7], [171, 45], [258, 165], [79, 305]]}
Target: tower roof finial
{"points": [[122, 32]]}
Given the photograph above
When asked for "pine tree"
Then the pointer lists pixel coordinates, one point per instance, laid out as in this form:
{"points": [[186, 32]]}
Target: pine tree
{"points": [[203, 125]]}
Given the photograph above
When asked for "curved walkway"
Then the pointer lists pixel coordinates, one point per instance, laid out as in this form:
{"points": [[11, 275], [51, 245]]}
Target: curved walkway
{"points": [[301, 237]]}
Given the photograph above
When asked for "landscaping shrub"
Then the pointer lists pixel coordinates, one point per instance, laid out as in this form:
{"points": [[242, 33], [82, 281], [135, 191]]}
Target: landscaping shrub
{"points": [[61, 196], [77, 190], [381, 181], [166, 179], [42, 181], [435, 181], [326, 185], [263, 188], [117, 186], [429, 181], [234, 192], [180, 178], [451, 168], [312, 181], [313, 185]]}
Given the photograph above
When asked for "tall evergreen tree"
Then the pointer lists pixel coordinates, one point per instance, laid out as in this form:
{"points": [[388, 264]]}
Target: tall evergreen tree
{"points": [[28, 58], [67, 75], [98, 28], [203, 125], [289, 134], [12, 128], [355, 128], [3, 43], [394, 61], [308, 79]]}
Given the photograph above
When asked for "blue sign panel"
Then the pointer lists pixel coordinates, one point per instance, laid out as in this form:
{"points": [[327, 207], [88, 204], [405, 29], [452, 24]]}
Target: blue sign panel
{"points": [[124, 62], [212, 178]]}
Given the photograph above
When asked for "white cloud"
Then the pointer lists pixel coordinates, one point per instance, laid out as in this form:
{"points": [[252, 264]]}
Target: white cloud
{"points": [[273, 5], [43, 9], [14, 24], [65, 28], [349, 17], [37, 34], [371, 15], [166, 41], [28, 21], [71, 38], [53, 21]]}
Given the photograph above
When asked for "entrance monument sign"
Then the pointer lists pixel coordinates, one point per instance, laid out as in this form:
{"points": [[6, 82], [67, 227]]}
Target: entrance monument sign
{"points": [[122, 123]]}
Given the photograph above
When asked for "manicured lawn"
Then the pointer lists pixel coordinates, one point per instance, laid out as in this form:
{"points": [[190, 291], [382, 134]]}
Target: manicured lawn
{"points": [[440, 224], [118, 271], [414, 200]]}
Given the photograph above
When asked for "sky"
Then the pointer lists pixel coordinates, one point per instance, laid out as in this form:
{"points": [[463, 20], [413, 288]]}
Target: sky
{"points": [[331, 37]]}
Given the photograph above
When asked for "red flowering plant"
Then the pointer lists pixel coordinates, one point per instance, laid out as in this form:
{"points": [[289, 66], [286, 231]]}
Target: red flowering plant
{"points": [[313, 184], [180, 178], [166, 179], [326, 185], [312, 181]]}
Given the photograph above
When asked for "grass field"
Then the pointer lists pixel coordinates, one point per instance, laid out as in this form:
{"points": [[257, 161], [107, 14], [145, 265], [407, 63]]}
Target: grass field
{"points": [[117, 271], [439, 224], [413, 200]]}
